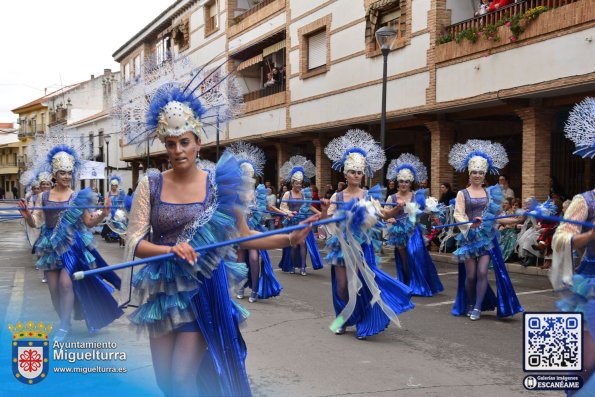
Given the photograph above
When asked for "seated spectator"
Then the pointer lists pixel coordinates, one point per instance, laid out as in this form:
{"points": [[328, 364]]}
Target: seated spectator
{"points": [[483, 7], [544, 241], [528, 234], [329, 191], [446, 194], [508, 229]]}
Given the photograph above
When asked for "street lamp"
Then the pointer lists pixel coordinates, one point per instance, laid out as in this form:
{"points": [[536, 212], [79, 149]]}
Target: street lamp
{"points": [[107, 139], [385, 36]]}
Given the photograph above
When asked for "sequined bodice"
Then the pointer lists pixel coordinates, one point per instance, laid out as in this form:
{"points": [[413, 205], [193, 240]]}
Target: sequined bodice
{"points": [[474, 207], [341, 197], [51, 216], [168, 220], [590, 199], [294, 206]]}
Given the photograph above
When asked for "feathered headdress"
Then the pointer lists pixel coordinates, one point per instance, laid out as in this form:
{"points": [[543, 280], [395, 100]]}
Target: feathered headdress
{"points": [[478, 155], [115, 179], [250, 157], [356, 150], [580, 128], [171, 98], [297, 168], [33, 177], [62, 158], [407, 167]]}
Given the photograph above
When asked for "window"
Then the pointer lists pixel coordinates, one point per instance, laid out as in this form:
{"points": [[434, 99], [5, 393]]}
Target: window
{"points": [[181, 35], [126, 72], [391, 13], [136, 63], [42, 126], [314, 42], [163, 49], [211, 17], [317, 50]]}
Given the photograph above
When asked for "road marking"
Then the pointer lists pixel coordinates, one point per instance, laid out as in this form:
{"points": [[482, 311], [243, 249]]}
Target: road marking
{"points": [[15, 304], [519, 293], [447, 273], [534, 292]]}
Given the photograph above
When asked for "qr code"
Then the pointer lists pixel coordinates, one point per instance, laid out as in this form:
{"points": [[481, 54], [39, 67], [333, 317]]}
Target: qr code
{"points": [[553, 342]]}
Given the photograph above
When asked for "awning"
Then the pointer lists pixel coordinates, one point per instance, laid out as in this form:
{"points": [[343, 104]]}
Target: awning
{"points": [[273, 48], [249, 62]]}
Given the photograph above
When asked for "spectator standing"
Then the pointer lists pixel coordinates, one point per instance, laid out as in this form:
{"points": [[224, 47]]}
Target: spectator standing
{"points": [[446, 194], [15, 193], [506, 190]]}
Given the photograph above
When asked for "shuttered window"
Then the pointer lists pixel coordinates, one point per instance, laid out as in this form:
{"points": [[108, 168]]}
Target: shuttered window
{"points": [[317, 50]]}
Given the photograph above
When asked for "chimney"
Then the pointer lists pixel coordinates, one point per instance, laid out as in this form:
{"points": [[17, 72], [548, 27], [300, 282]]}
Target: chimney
{"points": [[107, 71], [92, 76]]}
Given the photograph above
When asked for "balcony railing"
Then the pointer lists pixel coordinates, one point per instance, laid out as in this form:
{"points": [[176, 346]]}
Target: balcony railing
{"points": [[266, 91], [252, 10], [211, 24], [493, 17], [7, 165]]}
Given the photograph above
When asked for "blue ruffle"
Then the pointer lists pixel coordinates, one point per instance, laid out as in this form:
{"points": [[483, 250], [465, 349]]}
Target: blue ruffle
{"points": [[423, 277], [581, 298], [480, 241]]}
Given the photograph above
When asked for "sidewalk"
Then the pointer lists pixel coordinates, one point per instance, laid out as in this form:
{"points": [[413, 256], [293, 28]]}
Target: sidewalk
{"points": [[450, 260]]}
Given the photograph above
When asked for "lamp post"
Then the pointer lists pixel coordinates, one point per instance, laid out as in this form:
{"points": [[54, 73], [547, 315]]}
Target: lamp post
{"points": [[385, 36], [107, 139]]}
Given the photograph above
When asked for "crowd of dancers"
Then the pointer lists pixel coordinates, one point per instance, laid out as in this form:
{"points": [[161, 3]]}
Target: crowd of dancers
{"points": [[185, 300]]}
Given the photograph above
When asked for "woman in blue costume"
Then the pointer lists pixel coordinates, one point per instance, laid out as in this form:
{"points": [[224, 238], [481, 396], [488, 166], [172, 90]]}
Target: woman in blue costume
{"points": [[117, 197], [578, 285], [413, 262], [478, 241], [297, 171], [363, 295], [66, 246], [185, 303], [261, 278]]}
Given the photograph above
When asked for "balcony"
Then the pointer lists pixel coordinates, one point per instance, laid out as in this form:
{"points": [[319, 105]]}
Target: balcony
{"points": [[523, 21], [265, 97], [244, 19]]}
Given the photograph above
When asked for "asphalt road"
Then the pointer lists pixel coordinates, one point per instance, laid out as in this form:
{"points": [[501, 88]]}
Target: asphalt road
{"points": [[292, 352]]}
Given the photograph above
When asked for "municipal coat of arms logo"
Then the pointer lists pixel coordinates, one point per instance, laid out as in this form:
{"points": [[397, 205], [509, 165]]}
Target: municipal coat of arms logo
{"points": [[30, 351]]}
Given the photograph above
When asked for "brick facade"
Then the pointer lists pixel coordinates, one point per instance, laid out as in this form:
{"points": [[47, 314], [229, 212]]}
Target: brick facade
{"points": [[537, 129], [442, 134]]}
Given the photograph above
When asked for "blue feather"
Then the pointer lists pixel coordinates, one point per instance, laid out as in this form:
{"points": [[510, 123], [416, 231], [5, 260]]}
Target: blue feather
{"points": [[420, 199], [167, 93], [375, 192]]}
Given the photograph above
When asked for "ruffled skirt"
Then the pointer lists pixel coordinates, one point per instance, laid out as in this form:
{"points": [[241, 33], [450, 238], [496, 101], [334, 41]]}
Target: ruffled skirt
{"points": [[423, 277], [505, 302], [268, 285], [94, 302], [370, 319], [473, 245], [172, 298], [287, 264], [581, 296]]}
